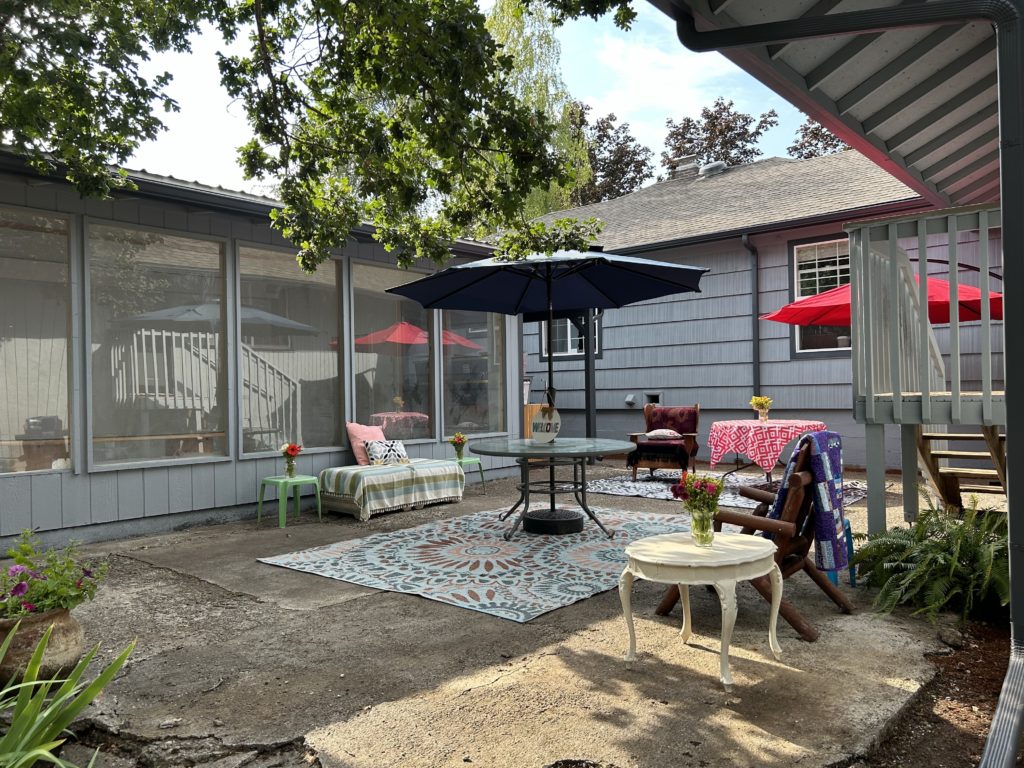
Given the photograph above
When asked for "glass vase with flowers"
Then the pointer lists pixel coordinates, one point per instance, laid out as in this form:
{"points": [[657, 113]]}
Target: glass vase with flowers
{"points": [[290, 451], [458, 441], [700, 494], [761, 404]]}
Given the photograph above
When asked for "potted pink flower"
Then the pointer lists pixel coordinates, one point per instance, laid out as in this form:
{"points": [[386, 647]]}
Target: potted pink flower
{"points": [[39, 589]]}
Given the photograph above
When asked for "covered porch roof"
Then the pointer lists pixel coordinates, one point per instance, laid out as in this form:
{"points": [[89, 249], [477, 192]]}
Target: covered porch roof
{"points": [[919, 100]]}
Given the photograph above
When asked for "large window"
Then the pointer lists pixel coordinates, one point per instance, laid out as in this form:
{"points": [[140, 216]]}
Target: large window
{"points": [[473, 349], [821, 267], [33, 341], [567, 337], [393, 367], [157, 345], [289, 352]]}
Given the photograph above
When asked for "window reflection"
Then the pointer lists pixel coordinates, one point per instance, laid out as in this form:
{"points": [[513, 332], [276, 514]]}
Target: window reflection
{"points": [[289, 351], [33, 342], [392, 354], [473, 346], [158, 352]]}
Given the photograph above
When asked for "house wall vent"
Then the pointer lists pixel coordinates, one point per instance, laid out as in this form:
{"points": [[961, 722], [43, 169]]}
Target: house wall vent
{"points": [[713, 169]]}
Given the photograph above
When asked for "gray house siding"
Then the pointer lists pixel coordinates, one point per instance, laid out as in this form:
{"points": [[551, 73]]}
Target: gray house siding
{"points": [[697, 348], [108, 502]]}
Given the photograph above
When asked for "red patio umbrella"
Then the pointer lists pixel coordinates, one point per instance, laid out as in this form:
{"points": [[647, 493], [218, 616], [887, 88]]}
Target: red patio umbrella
{"points": [[833, 307], [407, 333]]}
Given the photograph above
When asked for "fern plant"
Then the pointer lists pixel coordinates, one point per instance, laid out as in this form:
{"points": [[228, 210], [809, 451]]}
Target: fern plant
{"points": [[943, 562]]}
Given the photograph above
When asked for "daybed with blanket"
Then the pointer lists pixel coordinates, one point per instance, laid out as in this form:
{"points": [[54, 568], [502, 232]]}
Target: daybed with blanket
{"points": [[366, 489]]}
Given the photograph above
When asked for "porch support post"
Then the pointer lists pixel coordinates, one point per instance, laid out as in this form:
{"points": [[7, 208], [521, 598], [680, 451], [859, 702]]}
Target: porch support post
{"points": [[874, 444], [1004, 736], [911, 487]]}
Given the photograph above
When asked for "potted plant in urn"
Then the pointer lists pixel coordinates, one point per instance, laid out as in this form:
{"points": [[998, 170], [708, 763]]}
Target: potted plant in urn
{"points": [[761, 404], [38, 590]]}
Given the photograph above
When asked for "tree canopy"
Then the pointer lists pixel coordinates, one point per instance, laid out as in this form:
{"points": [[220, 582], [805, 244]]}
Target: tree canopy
{"points": [[527, 35], [619, 163], [814, 140], [720, 133], [400, 113]]}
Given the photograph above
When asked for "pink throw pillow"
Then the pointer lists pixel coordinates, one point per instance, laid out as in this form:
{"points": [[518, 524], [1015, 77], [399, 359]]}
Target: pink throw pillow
{"points": [[358, 434]]}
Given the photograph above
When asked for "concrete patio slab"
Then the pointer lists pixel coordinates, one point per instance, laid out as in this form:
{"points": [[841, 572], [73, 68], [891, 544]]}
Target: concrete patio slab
{"points": [[242, 663]]}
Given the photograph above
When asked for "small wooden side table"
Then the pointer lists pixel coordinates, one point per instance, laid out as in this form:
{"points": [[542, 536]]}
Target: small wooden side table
{"points": [[673, 558], [284, 484], [470, 461]]}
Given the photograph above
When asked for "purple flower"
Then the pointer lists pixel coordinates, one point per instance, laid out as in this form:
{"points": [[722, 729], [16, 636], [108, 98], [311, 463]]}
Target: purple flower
{"points": [[87, 573], [19, 589], [679, 491], [14, 570], [28, 606]]}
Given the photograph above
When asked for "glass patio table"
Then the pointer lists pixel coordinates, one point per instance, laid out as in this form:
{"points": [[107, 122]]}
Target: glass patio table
{"points": [[563, 451]]}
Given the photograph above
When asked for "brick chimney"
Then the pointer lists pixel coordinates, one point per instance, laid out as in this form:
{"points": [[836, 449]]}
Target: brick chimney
{"points": [[683, 167]]}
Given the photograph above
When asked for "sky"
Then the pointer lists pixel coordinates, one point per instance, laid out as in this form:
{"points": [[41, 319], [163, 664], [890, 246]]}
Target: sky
{"points": [[643, 76]]}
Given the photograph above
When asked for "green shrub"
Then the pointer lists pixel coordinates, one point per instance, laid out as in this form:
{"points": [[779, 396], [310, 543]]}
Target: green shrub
{"points": [[41, 710], [943, 562]]}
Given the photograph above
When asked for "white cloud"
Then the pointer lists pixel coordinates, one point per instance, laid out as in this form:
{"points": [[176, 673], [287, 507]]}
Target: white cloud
{"points": [[646, 76]]}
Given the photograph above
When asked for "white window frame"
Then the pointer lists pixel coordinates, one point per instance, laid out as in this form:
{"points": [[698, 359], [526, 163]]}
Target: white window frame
{"points": [[576, 352], [816, 244]]}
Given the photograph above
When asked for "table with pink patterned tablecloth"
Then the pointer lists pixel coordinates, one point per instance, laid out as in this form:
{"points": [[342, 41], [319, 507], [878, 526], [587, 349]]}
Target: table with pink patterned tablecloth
{"points": [[762, 441]]}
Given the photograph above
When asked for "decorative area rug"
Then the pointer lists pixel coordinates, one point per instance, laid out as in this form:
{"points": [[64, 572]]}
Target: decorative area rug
{"points": [[465, 561], [658, 486]]}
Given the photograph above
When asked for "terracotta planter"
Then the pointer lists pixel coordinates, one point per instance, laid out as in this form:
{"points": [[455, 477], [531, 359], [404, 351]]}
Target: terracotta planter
{"points": [[63, 651]]}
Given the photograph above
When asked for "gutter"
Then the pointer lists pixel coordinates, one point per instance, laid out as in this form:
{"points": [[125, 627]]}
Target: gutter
{"points": [[755, 313]]}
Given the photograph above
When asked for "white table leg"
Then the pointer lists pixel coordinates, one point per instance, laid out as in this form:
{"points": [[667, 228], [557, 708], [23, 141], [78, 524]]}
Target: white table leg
{"points": [[684, 600], [626, 598], [727, 595], [776, 578]]}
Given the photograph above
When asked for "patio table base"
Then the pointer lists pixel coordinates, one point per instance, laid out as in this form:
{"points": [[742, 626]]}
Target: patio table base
{"points": [[553, 522]]}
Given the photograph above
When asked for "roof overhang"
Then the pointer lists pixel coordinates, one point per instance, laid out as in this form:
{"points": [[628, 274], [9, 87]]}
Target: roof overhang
{"points": [[909, 84]]}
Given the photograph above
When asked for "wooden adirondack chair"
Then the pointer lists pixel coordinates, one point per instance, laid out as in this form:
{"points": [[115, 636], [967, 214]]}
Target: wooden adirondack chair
{"points": [[793, 534]]}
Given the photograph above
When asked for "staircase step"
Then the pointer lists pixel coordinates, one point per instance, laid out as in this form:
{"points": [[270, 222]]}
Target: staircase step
{"points": [[982, 489], [955, 436], [962, 455], [978, 474]]}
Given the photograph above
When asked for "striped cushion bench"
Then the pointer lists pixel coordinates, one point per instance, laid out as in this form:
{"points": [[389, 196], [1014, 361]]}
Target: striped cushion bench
{"points": [[364, 490]]}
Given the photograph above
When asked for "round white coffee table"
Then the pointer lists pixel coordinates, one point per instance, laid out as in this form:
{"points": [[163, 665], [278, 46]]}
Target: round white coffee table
{"points": [[673, 558]]}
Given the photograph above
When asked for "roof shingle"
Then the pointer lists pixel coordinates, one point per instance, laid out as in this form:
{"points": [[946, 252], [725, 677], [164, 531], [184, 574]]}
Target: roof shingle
{"points": [[771, 191]]}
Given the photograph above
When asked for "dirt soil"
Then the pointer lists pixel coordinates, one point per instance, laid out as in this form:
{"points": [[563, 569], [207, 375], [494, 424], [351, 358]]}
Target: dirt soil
{"points": [[947, 723]]}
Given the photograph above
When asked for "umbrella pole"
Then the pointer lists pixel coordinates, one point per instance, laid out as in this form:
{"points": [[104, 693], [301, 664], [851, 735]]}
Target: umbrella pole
{"points": [[551, 352]]}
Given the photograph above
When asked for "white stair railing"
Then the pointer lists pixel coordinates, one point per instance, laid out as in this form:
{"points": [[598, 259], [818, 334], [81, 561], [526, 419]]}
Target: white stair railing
{"points": [[172, 369], [896, 355]]}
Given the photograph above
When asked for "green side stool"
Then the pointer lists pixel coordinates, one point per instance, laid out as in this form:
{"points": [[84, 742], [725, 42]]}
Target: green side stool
{"points": [[479, 465], [284, 484]]}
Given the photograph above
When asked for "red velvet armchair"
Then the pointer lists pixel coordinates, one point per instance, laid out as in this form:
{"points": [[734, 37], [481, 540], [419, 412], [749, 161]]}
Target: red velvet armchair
{"points": [[677, 453]]}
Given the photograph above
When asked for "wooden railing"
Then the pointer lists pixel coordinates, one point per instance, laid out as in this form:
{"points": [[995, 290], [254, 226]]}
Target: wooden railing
{"points": [[899, 371]]}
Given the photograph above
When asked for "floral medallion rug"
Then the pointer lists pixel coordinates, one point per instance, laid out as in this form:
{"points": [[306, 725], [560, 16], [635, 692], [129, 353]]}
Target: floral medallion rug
{"points": [[465, 561], [659, 484]]}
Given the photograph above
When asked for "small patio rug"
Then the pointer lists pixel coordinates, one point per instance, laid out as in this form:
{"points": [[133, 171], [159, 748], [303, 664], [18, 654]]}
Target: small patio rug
{"points": [[465, 561], [658, 486]]}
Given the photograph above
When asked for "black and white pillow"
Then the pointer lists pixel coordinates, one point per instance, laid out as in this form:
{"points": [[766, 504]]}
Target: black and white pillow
{"points": [[386, 452]]}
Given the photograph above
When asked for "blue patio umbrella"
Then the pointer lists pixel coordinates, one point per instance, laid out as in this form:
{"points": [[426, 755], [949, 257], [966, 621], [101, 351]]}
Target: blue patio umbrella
{"points": [[542, 287]]}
